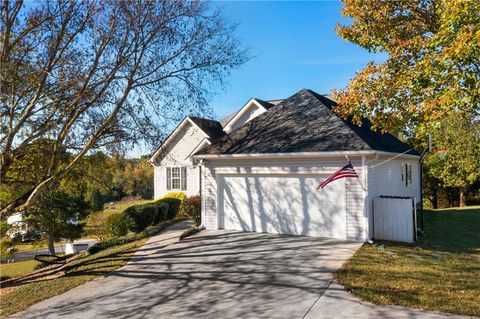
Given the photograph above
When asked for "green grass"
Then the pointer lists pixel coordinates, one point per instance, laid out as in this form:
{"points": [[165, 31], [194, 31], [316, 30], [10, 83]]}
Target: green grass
{"points": [[16, 269], [120, 206], [76, 273], [441, 272]]}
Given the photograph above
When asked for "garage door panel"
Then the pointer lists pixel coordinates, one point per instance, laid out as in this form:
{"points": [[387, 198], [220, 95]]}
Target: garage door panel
{"points": [[287, 204]]}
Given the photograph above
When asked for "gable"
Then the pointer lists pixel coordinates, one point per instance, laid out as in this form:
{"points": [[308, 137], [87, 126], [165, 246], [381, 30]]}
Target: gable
{"points": [[208, 129], [180, 146], [251, 110]]}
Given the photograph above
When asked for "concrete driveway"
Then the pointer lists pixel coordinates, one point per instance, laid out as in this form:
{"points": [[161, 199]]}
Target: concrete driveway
{"points": [[217, 274], [220, 274]]}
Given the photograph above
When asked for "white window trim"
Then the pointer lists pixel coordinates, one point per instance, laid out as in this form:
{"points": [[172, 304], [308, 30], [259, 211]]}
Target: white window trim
{"points": [[173, 171], [176, 174]]}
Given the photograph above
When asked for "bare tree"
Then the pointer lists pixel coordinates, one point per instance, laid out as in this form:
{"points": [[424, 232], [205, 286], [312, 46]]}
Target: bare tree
{"points": [[99, 74]]}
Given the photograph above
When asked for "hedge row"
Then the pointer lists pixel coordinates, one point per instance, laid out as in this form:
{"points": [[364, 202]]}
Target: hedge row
{"points": [[146, 215], [148, 232], [139, 219], [136, 218], [174, 201]]}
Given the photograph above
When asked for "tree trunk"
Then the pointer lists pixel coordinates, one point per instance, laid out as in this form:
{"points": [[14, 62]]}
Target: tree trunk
{"points": [[435, 200], [51, 244], [462, 199]]}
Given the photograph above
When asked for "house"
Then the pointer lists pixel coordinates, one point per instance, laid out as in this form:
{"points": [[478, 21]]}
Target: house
{"points": [[258, 169], [19, 227]]}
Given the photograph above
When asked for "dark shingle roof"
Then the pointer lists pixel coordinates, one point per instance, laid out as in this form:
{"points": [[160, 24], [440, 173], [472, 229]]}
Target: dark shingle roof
{"points": [[212, 128], [304, 122], [265, 104]]}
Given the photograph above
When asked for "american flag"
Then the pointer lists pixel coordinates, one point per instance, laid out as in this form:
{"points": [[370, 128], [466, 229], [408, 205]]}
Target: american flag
{"points": [[346, 171]]}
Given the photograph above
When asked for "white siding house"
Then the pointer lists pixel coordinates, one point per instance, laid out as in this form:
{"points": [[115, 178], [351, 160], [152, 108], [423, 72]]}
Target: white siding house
{"points": [[174, 169], [177, 156], [259, 171]]}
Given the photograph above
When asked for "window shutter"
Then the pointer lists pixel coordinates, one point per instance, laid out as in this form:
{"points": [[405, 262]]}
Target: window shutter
{"points": [[409, 174], [184, 178], [169, 178]]}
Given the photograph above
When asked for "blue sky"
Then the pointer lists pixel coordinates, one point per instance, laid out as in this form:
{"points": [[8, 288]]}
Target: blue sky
{"points": [[294, 45]]}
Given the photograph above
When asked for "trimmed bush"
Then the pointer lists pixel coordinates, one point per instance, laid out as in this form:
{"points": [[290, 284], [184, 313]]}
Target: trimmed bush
{"points": [[148, 232], [146, 215], [162, 214], [142, 216], [178, 195], [174, 200], [191, 209], [173, 206], [118, 224]]}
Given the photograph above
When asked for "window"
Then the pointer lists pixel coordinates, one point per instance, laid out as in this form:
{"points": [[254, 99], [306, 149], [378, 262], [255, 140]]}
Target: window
{"points": [[407, 174], [177, 178]]}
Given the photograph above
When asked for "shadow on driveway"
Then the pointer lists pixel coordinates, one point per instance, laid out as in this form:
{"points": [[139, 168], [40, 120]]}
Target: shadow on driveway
{"points": [[214, 274]]}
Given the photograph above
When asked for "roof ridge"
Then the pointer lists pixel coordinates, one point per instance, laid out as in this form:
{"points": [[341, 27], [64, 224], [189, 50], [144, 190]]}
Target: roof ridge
{"points": [[365, 124], [332, 103], [202, 118]]}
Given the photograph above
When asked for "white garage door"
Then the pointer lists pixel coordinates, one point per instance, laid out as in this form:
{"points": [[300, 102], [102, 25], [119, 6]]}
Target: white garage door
{"points": [[285, 204]]}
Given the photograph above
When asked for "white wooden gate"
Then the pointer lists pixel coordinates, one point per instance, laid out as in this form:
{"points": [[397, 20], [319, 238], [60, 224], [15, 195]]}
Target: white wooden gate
{"points": [[394, 219]]}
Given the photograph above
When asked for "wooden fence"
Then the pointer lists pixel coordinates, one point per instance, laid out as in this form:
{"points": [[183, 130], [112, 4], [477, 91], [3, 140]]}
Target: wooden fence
{"points": [[394, 219]]}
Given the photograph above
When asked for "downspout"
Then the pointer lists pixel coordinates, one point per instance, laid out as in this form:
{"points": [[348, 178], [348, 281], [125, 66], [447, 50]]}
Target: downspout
{"points": [[200, 168], [370, 211], [420, 164]]}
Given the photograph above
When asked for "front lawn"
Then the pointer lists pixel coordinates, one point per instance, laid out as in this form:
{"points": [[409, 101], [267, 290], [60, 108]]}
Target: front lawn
{"points": [[441, 272], [77, 272], [120, 206], [16, 269]]}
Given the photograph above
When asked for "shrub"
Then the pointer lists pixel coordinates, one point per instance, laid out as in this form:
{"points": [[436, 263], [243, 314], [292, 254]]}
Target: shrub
{"points": [[112, 242], [146, 215], [191, 209], [118, 224], [178, 195], [189, 232], [142, 216], [173, 200], [97, 225], [162, 213], [173, 206], [148, 232], [6, 248]]}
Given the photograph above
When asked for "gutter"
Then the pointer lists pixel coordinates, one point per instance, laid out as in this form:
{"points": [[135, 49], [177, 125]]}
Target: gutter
{"points": [[297, 155]]}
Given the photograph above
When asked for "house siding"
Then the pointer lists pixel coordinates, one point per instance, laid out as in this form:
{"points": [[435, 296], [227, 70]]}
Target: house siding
{"points": [[176, 153], [355, 213], [252, 112], [356, 218], [385, 178]]}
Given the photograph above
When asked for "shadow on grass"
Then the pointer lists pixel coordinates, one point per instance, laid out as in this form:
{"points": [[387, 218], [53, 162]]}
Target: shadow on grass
{"points": [[76, 268]]}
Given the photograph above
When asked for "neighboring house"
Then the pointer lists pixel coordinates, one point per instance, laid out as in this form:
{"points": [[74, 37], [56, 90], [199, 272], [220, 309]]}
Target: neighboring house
{"points": [[258, 169], [19, 227]]}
